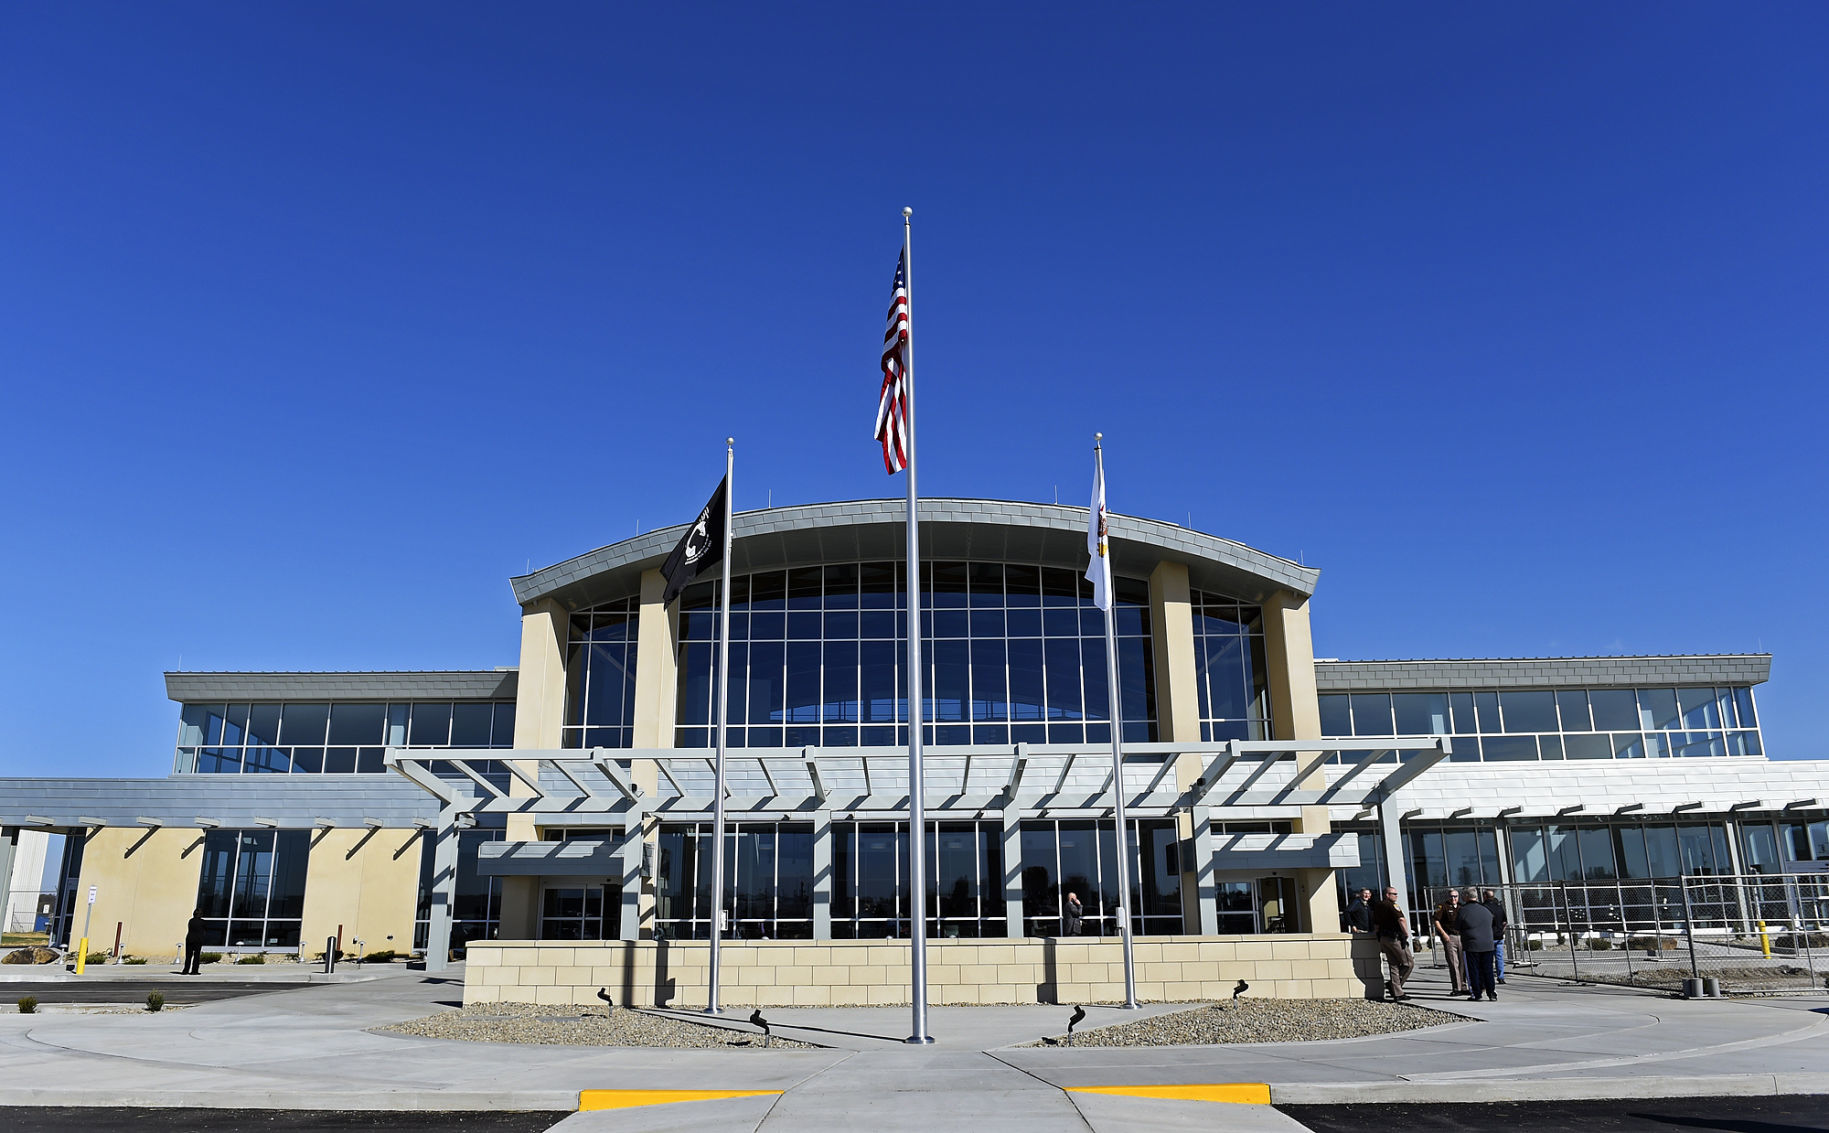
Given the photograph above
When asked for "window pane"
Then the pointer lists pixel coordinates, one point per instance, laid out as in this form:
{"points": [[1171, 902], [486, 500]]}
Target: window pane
{"points": [[431, 725], [1614, 709], [1336, 715], [358, 724], [470, 724], [1372, 714], [1421, 713], [1657, 708], [305, 723], [1573, 704], [1529, 711]]}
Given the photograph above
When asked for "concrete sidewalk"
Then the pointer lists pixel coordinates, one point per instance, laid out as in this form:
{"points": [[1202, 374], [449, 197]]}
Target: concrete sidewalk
{"points": [[310, 1047]]}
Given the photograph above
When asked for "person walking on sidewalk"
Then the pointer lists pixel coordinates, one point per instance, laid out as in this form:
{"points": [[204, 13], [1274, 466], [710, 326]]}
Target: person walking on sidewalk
{"points": [[1447, 924], [1393, 931], [193, 945], [1498, 932], [1476, 941]]}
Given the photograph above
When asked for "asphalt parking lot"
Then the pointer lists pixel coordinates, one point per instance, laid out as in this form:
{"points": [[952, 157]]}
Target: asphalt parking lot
{"points": [[1805, 1113], [71, 1119], [177, 989]]}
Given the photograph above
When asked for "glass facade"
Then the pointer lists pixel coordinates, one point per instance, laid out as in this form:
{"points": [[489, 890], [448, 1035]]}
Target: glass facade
{"points": [[600, 676], [1229, 669], [340, 737], [252, 889], [768, 881], [1080, 856], [1015, 653], [476, 908], [964, 880], [581, 912], [1533, 724]]}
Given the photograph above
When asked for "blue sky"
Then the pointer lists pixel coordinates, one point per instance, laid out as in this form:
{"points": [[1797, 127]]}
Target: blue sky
{"points": [[318, 322]]}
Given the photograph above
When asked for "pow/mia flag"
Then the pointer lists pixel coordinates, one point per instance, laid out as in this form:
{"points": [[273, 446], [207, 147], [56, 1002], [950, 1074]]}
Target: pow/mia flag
{"points": [[700, 547]]}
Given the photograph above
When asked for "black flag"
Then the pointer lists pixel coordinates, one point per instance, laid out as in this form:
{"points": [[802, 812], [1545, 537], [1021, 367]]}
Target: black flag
{"points": [[701, 546]]}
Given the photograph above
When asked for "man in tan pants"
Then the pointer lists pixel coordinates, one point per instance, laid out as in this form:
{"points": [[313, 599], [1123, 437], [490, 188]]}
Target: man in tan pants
{"points": [[1393, 931], [1448, 936]]}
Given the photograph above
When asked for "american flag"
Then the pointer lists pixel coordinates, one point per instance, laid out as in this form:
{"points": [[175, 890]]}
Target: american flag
{"points": [[892, 404]]}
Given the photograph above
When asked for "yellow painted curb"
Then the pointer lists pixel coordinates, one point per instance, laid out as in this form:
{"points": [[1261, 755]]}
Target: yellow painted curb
{"points": [[1245, 1093], [624, 1099]]}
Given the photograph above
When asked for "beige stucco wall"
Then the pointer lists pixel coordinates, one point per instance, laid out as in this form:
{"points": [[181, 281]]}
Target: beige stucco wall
{"points": [[539, 718], [365, 881], [1177, 697], [147, 881], [784, 973], [1295, 710]]}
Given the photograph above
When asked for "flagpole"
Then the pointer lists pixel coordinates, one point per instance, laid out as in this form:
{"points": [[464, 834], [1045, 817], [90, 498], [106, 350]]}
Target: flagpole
{"points": [[917, 817], [1117, 746], [717, 793]]}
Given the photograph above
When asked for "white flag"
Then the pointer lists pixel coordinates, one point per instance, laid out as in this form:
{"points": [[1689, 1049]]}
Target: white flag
{"points": [[1098, 571]]}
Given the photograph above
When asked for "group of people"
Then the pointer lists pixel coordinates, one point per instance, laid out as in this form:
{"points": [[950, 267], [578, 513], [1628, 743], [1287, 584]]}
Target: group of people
{"points": [[1471, 934]]}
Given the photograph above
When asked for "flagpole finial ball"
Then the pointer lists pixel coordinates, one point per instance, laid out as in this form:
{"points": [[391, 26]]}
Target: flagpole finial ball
{"points": [[907, 212], [1098, 436], [730, 440]]}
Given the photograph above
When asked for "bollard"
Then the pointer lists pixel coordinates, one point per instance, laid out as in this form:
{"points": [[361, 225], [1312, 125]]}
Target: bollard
{"points": [[1765, 941], [330, 954], [82, 954]]}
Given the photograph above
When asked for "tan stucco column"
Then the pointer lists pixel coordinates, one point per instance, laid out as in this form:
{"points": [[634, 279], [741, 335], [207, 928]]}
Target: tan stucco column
{"points": [[539, 718], [1171, 619], [146, 882], [1295, 713], [364, 881], [656, 695]]}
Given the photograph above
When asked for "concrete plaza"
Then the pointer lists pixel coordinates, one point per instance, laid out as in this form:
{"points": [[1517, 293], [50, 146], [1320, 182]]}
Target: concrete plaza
{"points": [[309, 1047]]}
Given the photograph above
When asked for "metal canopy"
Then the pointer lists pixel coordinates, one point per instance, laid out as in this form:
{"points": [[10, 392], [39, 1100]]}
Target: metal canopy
{"points": [[564, 786]]}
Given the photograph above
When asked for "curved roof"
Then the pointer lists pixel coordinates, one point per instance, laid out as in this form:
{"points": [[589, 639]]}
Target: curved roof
{"points": [[994, 530]]}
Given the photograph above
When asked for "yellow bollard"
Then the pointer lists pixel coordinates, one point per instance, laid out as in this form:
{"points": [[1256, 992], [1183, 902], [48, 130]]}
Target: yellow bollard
{"points": [[1765, 941], [82, 954]]}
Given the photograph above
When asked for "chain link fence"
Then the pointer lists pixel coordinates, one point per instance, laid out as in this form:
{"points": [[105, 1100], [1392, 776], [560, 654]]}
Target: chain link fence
{"points": [[1755, 934], [25, 917]]}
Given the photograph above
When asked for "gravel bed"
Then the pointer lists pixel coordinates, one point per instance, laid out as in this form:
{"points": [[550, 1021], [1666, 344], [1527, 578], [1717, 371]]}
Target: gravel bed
{"points": [[547, 1025], [1263, 1021]]}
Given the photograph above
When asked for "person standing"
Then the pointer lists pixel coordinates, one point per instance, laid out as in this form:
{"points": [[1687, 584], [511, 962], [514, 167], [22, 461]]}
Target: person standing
{"points": [[1358, 915], [193, 945], [1447, 922], [1393, 931], [1497, 907], [1476, 940], [1076, 913]]}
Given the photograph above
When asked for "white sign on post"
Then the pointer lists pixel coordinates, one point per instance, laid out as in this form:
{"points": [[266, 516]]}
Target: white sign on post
{"points": [[92, 890]]}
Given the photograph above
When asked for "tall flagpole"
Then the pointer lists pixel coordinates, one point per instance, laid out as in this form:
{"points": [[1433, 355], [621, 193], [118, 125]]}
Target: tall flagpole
{"points": [[717, 793], [917, 818], [1117, 748]]}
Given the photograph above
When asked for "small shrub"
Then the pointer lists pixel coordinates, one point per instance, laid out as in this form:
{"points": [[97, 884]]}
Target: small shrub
{"points": [[96, 958], [28, 1005], [255, 958], [134, 960], [1600, 944], [1533, 946], [155, 1001], [384, 956], [209, 957]]}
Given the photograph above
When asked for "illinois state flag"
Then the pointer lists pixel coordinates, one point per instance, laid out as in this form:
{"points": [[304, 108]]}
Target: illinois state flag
{"points": [[1098, 571]]}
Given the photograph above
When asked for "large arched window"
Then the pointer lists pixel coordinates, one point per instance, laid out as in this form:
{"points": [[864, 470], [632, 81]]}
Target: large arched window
{"points": [[1015, 653]]}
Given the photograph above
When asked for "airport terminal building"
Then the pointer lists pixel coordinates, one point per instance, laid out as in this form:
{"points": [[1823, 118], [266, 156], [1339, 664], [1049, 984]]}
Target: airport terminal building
{"points": [[551, 820]]}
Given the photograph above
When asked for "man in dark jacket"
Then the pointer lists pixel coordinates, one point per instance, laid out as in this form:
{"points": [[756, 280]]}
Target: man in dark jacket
{"points": [[1393, 931], [193, 945], [1358, 916], [1497, 906], [1476, 941], [1447, 924]]}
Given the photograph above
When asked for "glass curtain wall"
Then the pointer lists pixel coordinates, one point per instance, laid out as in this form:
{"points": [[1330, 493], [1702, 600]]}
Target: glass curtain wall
{"points": [[817, 655], [334, 737], [476, 909], [1229, 669], [581, 912], [964, 880], [600, 676], [1079, 856], [1532, 724], [768, 871], [252, 890]]}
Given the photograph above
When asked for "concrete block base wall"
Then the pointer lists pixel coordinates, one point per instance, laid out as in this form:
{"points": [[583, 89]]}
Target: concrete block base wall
{"points": [[843, 973]]}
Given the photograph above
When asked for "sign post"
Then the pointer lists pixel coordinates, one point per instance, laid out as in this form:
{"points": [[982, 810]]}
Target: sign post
{"points": [[82, 945]]}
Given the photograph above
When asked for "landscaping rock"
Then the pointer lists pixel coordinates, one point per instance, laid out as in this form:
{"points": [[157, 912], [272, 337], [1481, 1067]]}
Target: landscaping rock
{"points": [[32, 955], [1263, 1021]]}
